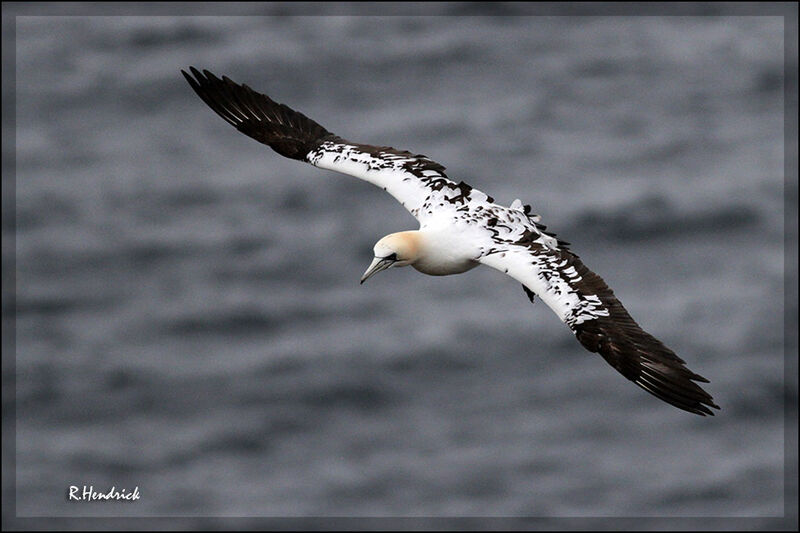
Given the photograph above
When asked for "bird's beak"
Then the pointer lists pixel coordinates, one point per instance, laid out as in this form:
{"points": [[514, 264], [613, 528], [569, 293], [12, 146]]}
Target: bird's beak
{"points": [[378, 264]]}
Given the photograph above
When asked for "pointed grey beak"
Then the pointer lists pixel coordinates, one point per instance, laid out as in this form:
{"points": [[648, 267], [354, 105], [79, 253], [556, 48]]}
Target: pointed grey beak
{"points": [[378, 264]]}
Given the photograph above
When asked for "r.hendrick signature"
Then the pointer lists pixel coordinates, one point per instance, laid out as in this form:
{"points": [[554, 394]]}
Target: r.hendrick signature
{"points": [[88, 494]]}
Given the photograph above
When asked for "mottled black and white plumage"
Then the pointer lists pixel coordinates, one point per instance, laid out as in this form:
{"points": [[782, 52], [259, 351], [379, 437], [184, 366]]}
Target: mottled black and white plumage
{"points": [[460, 228]]}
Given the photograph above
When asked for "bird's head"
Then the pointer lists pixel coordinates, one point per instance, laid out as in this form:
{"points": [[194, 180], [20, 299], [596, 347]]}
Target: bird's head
{"points": [[395, 250]]}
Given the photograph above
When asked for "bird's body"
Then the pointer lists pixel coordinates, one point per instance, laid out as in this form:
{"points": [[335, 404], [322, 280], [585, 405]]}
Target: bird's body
{"points": [[445, 251], [461, 228]]}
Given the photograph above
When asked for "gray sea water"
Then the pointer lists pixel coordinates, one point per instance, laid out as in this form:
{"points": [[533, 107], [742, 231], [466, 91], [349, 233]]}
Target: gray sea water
{"points": [[188, 313]]}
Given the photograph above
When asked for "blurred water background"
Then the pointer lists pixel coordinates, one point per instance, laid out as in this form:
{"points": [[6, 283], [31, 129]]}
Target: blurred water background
{"points": [[188, 313]]}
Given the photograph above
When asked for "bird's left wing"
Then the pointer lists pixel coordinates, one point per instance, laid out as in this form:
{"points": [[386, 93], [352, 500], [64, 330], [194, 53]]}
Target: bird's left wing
{"points": [[411, 179], [583, 301]]}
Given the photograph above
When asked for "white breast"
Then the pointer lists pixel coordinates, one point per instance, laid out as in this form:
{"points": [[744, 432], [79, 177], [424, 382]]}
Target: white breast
{"points": [[446, 251]]}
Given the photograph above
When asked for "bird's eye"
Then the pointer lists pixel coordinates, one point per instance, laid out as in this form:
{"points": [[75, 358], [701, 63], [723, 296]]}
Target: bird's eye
{"points": [[392, 257]]}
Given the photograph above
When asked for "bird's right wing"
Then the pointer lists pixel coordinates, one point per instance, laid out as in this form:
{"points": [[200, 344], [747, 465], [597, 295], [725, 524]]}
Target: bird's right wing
{"points": [[411, 179], [583, 301]]}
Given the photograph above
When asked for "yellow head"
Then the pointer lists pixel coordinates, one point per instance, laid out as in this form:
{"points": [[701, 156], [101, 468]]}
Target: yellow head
{"points": [[395, 250]]}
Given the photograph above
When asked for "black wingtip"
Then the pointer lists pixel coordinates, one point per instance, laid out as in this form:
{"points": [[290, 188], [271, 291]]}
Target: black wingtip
{"points": [[195, 72], [189, 78], [283, 129], [637, 355]]}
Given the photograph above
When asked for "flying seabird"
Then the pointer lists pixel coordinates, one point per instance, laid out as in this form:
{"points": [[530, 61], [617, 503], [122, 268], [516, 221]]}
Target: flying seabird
{"points": [[460, 228]]}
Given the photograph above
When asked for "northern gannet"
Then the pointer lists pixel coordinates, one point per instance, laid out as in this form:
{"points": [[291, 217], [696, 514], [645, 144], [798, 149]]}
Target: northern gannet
{"points": [[460, 228]]}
